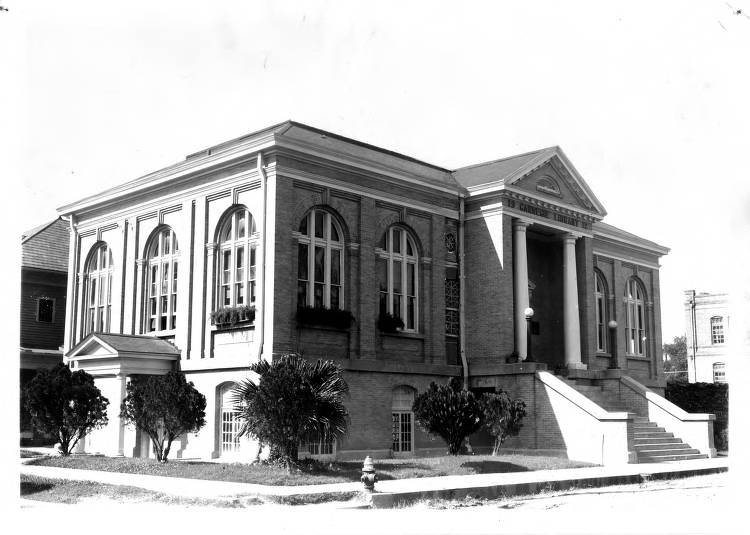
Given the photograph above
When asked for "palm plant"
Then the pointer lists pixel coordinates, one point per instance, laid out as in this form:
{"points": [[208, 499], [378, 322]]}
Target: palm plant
{"points": [[292, 398]]}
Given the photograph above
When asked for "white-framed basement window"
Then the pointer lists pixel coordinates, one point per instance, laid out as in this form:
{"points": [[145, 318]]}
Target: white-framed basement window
{"points": [[402, 420], [320, 262], [635, 318], [600, 299], [163, 256], [398, 277], [98, 289], [317, 446], [717, 330], [238, 241]]}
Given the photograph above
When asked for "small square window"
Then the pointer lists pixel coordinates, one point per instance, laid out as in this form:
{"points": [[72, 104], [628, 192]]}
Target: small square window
{"points": [[45, 310]]}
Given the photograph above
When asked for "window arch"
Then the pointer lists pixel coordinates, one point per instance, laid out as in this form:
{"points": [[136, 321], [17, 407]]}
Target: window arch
{"points": [[320, 261], [398, 275], [600, 299], [162, 255], [635, 318], [237, 242], [98, 288], [717, 330], [402, 418]]}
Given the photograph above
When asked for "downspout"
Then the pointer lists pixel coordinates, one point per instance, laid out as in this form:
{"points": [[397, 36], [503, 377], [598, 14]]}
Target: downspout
{"points": [[461, 299], [260, 324], [694, 339]]}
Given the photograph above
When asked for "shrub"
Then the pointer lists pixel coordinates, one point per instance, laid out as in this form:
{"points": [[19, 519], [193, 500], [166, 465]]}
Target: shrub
{"points": [[233, 315], [292, 399], [502, 416], [710, 398], [327, 317], [164, 407], [65, 404], [388, 323], [449, 412]]}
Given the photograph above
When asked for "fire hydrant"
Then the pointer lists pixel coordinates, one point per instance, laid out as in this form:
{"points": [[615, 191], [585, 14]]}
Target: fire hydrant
{"points": [[369, 477]]}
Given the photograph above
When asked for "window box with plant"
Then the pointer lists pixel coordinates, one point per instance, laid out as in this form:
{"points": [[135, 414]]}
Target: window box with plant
{"points": [[231, 316], [324, 317], [388, 323]]}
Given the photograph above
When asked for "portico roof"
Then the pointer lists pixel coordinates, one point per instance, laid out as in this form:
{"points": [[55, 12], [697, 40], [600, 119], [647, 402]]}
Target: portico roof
{"points": [[112, 354]]}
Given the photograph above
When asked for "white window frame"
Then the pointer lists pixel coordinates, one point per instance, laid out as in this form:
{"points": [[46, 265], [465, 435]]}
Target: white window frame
{"points": [[232, 283], [161, 282], [329, 244], [401, 415], [719, 372], [97, 303], [635, 318], [717, 330], [406, 241], [230, 445], [600, 300], [54, 308]]}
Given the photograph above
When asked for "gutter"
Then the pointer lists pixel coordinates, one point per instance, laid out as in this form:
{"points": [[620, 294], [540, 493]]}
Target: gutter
{"points": [[261, 317], [461, 299]]}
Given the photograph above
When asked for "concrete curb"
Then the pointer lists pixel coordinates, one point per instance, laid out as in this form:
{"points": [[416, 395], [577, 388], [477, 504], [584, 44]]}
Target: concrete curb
{"points": [[505, 490]]}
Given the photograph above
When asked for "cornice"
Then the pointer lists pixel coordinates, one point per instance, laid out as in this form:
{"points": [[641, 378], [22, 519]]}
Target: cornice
{"points": [[636, 246]]}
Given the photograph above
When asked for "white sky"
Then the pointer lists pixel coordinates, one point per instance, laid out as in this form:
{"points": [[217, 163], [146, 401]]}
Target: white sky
{"points": [[649, 99]]}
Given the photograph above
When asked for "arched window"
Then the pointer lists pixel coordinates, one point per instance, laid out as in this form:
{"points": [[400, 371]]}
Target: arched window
{"points": [[238, 240], [717, 330], [320, 262], [398, 275], [98, 281], [635, 319], [162, 253], [402, 418], [600, 297], [720, 372]]}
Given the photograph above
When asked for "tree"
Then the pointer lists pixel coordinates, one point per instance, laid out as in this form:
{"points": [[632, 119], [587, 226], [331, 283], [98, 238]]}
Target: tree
{"points": [[502, 416], [164, 407], [449, 412], [291, 399], [675, 358], [65, 404]]}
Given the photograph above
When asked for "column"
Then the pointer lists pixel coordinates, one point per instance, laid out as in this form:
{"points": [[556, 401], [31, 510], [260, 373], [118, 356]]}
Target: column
{"points": [[520, 285], [71, 312], [117, 405], [207, 347], [140, 294], [571, 322]]}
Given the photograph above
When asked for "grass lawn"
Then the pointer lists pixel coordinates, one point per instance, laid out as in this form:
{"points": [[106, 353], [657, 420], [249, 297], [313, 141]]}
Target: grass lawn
{"points": [[315, 473], [65, 491]]}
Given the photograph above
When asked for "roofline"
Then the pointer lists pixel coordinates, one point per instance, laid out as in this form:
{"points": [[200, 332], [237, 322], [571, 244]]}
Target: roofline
{"points": [[505, 158], [629, 238], [39, 229]]}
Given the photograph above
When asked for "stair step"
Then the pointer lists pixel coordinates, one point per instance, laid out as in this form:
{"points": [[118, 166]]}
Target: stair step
{"points": [[644, 425], [654, 440], [648, 429], [663, 458], [667, 449], [652, 434]]}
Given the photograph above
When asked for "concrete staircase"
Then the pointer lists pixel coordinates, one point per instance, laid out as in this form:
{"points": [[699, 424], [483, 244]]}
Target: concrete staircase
{"points": [[652, 443]]}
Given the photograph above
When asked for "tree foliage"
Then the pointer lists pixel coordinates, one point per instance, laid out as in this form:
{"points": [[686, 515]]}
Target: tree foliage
{"points": [[675, 358], [502, 416], [164, 407], [65, 404], [449, 412], [291, 399]]}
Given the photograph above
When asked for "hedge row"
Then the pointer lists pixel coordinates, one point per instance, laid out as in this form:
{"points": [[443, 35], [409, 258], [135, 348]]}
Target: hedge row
{"points": [[704, 398]]}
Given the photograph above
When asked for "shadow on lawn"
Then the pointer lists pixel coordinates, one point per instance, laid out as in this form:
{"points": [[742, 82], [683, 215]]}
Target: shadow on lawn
{"points": [[493, 467], [353, 469], [32, 487]]}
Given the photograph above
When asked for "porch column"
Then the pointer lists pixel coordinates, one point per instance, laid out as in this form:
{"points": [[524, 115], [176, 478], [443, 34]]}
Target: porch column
{"points": [[520, 285], [571, 322], [122, 382]]}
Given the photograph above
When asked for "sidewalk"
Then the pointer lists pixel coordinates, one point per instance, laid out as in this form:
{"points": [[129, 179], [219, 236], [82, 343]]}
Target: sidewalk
{"points": [[400, 491]]}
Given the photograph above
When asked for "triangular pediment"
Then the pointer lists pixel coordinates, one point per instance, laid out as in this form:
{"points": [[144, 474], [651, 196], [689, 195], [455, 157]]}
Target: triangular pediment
{"points": [[554, 179], [92, 346]]}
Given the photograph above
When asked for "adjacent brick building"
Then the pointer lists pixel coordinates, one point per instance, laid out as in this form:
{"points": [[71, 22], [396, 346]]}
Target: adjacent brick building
{"points": [[436, 266]]}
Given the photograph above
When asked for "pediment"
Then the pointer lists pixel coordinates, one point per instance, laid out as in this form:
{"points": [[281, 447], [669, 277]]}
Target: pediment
{"points": [[555, 180], [113, 354]]}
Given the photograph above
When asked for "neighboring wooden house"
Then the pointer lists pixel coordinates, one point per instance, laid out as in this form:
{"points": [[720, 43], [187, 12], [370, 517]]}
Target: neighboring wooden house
{"points": [[44, 273]]}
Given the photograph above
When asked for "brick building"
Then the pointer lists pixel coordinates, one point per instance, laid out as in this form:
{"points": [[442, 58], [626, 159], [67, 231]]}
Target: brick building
{"points": [[707, 336], [437, 267], [44, 273]]}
